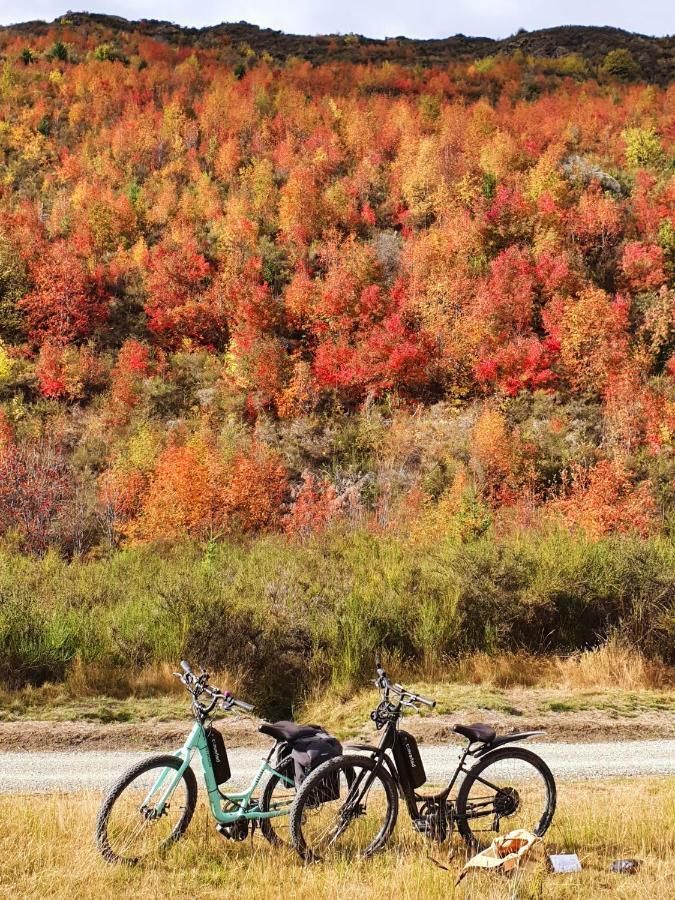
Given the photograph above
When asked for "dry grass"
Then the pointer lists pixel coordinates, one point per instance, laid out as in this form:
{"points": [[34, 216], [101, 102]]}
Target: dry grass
{"points": [[152, 681], [612, 678], [612, 665], [151, 692], [46, 851]]}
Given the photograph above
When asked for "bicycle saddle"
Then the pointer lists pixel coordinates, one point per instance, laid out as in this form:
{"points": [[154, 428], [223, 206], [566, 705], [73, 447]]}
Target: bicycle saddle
{"points": [[477, 732], [288, 731]]}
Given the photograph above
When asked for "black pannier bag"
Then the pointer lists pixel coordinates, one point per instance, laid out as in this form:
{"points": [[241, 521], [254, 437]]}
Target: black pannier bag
{"points": [[408, 759], [308, 753], [218, 754]]}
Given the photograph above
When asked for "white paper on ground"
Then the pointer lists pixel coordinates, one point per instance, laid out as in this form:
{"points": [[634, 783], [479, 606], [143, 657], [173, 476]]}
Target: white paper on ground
{"points": [[565, 862]]}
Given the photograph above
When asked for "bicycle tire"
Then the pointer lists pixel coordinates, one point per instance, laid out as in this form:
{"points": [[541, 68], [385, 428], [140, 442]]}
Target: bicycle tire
{"points": [[305, 801], [496, 756], [122, 783], [267, 826]]}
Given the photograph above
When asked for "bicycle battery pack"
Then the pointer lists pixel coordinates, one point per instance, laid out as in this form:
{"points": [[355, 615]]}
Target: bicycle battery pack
{"points": [[408, 759], [218, 754]]}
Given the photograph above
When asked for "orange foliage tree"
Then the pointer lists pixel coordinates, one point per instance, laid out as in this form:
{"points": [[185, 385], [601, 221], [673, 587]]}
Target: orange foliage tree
{"points": [[604, 499], [212, 245]]}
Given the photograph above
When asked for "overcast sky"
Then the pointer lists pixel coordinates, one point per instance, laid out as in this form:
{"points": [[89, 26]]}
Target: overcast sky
{"points": [[376, 18]]}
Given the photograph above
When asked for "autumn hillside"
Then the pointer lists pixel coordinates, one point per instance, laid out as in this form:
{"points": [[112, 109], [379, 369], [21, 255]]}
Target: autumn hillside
{"points": [[406, 331], [654, 56]]}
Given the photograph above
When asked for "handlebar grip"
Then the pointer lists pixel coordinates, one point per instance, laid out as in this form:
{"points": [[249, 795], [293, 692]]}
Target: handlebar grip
{"points": [[430, 703], [247, 707], [185, 666]]}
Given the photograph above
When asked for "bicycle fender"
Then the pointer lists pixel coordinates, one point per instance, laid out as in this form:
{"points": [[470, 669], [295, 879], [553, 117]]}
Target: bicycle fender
{"points": [[505, 739], [384, 758]]}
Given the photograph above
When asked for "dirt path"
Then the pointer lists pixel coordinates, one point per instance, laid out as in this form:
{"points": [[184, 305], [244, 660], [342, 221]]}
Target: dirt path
{"points": [[95, 770], [25, 736], [574, 727]]}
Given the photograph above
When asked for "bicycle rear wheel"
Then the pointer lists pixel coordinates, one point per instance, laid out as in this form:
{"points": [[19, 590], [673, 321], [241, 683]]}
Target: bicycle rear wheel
{"points": [[507, 789], [278, 793], [346, 807], [129, 826]]}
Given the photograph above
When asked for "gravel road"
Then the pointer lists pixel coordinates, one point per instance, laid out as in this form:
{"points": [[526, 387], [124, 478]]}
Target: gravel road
{"points": [[95, 770]]}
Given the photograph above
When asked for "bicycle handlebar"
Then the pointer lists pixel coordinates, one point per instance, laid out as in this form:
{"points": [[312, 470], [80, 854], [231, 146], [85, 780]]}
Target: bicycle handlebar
{"points": [[414, 698], [198, 684], [407, 697]]}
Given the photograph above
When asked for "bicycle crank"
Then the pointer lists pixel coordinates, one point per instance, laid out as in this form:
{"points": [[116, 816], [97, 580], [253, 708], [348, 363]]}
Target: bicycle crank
{"points": [[237, 831]]}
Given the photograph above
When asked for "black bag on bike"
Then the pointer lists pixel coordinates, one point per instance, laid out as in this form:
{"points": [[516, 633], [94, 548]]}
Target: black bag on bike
{"points": [[408, 759], [310, 752], [219, 761]]}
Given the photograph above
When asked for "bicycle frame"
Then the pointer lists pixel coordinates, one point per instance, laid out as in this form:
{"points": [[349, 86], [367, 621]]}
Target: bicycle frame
{"points": [[241, 805], [400, 776]]}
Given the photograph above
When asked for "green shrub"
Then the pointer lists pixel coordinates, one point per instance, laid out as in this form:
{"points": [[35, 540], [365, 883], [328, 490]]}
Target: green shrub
{"points": [[284, 617], [620, 64], [643, 148], [59, 51], [13, 285]]}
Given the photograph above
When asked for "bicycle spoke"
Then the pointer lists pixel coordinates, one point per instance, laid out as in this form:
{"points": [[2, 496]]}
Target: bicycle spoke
{"points": [[513, 790], [352, 825], [135, 830]]}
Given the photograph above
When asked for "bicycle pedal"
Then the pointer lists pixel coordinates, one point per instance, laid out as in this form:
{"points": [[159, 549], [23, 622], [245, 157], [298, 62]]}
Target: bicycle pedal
{"points": [[237, 831], [420, 825]]}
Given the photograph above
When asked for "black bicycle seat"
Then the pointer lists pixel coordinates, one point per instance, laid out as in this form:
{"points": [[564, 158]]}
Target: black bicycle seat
{"points": [[288, 731], [477, 732]]}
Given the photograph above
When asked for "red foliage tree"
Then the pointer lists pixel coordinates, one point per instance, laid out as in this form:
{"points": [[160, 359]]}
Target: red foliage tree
{"points": [[643, 266], [132, 366], [184, 498], [522, 364], [592, 332], [36, 489], [254, 489], [315, 506], [604, 499], [68, 373], [180, 306], [67, 303]]}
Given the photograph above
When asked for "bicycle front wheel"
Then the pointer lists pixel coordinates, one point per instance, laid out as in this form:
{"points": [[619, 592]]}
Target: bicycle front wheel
{"points": [[346, 807], [133, 823], [507, 789]]}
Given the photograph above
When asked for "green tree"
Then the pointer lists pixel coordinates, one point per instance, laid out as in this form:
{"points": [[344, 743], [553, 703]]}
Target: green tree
{"points": [[643, 147], [13, 285], [108, 53], [620, 64], [58, 50], [667, 242]]}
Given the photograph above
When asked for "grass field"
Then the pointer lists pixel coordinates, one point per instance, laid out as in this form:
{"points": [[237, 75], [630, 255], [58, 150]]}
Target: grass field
{"points": [[612, 692], [46, 850], [611, 677], [289, 621], [342, 713]]}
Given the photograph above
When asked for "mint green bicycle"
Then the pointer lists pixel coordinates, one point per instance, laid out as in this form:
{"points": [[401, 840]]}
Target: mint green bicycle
{"points": [[151, 805]]}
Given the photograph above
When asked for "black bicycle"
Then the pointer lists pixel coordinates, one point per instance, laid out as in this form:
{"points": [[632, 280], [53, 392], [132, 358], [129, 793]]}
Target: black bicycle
{"points": [[349, 805]]}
